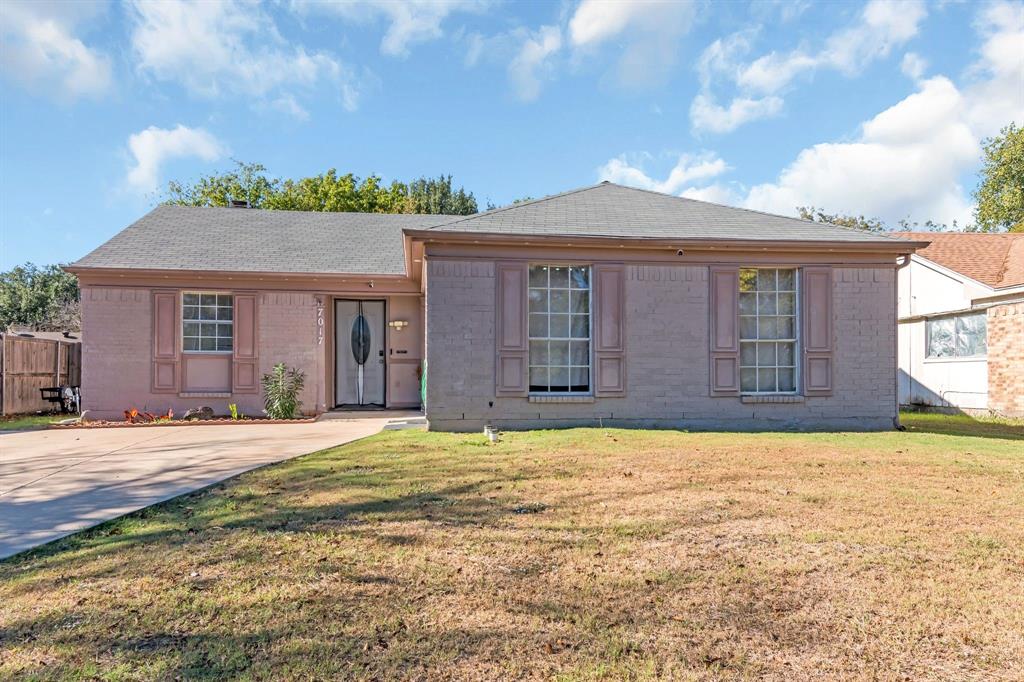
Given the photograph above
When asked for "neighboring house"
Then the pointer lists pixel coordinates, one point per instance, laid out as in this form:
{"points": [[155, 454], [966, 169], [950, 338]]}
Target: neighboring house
{"points": [[602, 305], [961, 322]]}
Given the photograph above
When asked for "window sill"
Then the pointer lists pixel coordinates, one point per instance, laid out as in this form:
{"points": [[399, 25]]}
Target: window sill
{"points": [[207, 394], [775, 398], [561, 398], [973, 358]]}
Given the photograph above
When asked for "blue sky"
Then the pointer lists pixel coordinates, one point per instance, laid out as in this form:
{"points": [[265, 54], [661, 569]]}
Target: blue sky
{"points": [[875, 108]]}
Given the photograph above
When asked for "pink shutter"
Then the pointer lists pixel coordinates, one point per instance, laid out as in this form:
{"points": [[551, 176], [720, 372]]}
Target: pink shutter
{"points": [[725, 330], [609, 325], [511, 337], [165, 341], [817, 330], [244, 357]]}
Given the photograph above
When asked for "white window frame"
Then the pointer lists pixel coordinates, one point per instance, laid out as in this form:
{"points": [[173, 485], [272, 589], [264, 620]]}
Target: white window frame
{"points": [[590, 330], [954, 357], [217, 322], [796, 341]]}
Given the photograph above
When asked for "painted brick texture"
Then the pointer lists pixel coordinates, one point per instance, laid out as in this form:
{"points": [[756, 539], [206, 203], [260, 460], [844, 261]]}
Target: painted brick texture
{"points": [[1006, 359], [117, 351], [667, 319]]}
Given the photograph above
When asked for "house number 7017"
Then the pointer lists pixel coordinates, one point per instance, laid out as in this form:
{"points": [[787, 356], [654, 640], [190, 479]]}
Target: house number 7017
{"points": [[319, 322]]}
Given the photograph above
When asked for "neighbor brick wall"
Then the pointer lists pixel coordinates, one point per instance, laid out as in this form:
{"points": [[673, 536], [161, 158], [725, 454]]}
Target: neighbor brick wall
{"points": [[117, 351], [666, 353], [1006, 359]]}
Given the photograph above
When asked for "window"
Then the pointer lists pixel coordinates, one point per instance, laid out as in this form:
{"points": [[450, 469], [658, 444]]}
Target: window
{"points": [[960, 336], [206, 322], [559, 329], [768, 330]]}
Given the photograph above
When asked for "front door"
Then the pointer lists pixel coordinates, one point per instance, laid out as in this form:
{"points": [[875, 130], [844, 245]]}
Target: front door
{"points": [[359, 353]]}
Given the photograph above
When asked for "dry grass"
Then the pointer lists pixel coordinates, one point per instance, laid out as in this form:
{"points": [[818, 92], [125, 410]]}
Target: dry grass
{"points": [[572, 555]]}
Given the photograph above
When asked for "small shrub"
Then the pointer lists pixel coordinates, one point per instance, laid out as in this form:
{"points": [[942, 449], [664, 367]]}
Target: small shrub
{"points": [[281, 390], [233, 409]]}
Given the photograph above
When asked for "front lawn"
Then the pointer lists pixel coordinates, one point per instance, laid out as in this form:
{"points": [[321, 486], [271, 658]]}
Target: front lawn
{"points": [[569, 555], [21, 422]]}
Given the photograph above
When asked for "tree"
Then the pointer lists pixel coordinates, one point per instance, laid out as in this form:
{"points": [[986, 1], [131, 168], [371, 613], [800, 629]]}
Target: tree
{"points": [[859, 222], [1000, 194], [41, 298], [325, 192]]}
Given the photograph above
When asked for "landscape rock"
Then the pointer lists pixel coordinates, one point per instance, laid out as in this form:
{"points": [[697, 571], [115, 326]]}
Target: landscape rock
{"points": [[204, 412]]}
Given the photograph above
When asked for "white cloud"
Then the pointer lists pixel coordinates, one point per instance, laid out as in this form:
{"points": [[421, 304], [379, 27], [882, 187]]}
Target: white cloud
{"points": [[649, 31], [913, 65], [716, 193], [229, 47], [881, 26], [706, 114], [411, 21], [530, 67], [995, 90], [42, 52], [151, 147], [688, 168]]}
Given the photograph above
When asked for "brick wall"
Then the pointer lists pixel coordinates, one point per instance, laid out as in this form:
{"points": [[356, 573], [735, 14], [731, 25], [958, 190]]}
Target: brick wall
{"points": [[1006, 359], [666, 355]]}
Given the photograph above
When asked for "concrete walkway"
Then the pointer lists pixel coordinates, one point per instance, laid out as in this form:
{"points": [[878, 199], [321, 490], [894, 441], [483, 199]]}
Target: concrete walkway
{"points": [[56, 482]]}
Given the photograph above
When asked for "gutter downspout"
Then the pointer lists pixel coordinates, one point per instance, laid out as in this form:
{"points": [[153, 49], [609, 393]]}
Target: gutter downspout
{"points": [[896, 338]]}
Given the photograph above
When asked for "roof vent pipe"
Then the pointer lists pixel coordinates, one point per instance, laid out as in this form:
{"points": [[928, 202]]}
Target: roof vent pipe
{"points": [[239, 203]]}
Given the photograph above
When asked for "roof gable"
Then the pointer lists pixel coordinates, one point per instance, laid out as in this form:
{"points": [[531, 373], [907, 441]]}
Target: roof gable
{"points": [[611, 210], [996, 260]]}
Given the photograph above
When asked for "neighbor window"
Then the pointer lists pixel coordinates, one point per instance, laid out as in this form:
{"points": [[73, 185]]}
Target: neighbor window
{"points": [[206, 322], [559, 329], [960, 336], [768, 330]]}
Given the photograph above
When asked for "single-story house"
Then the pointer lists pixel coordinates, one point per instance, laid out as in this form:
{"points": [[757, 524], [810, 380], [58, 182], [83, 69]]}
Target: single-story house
{"points": [[961, 323], [602, 305]]}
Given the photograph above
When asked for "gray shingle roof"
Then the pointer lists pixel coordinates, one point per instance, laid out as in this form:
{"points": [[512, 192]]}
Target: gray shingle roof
{"points": [[252, 240], [610, 210]]}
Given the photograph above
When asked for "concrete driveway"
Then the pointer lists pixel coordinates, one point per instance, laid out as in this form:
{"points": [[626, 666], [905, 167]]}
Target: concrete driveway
{"points": [[56, 482]]}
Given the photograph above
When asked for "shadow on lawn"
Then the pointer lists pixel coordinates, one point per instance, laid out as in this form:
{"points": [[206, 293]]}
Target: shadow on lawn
{"points": [[962, 425]]}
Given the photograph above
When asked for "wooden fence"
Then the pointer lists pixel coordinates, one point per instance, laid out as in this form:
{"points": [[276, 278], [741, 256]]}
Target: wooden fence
{"points": [[28, 363]]}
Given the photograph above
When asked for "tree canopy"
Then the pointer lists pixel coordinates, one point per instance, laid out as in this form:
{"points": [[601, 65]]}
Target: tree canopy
{"points": [[42, 298], [328, 191], [1000, 194]]}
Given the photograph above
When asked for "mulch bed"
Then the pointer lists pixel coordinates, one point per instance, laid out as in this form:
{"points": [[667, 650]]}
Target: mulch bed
{"points": [[105, 424]]}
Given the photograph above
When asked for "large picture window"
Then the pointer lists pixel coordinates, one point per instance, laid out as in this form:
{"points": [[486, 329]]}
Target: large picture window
{"points": [[960, 336], [206, 322], [768, 330], [559, 329]]}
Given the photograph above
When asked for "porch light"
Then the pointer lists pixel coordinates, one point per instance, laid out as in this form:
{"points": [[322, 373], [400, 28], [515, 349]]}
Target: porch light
{"points": [[398, 325]]}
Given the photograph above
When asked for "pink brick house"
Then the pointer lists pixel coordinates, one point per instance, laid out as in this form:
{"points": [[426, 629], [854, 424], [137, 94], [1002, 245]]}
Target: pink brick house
{"points": [[601, 305]]}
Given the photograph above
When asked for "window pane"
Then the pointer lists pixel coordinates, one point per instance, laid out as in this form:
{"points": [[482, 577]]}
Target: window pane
{"points": [[748, 354], [538, 300], [766, 355], [208, 312], [538, 352], [224, 344], [538, 378], [970, 335], [224, 331], [538, 326], [190, 312], [224, 300], [191, 329], [559, 378], [580, 378], [581, 302], [559, 326], [766, 380], [748, 303], [787, 304], [579, 353], [748, 380], [787, 280], [766, 304], [191, 343], [767, 328], [208, 329], [225, 313], [940, 338], [786, 328], [786, 354], [208, 299], [560, 278], [787, 380], [766, 280], [539, 276], [748, 280], [559, 301], [748, 327], [208, 344], [558, 353], [190, 299], [580, 278], [581, 326]]}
